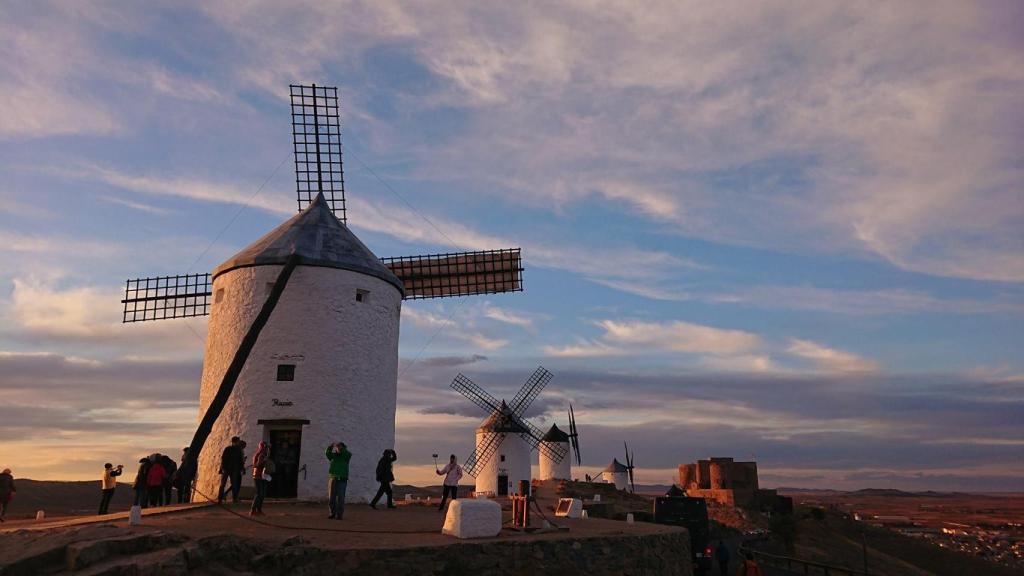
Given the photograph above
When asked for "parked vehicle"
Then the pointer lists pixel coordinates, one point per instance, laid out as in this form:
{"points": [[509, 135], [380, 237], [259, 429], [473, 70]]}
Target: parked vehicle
{"points": [[692, 514]]}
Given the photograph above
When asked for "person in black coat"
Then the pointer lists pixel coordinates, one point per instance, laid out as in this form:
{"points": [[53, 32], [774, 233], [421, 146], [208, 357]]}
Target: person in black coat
{"points": [[140, 487], [232, 464], [183, 478], [385, 475]]}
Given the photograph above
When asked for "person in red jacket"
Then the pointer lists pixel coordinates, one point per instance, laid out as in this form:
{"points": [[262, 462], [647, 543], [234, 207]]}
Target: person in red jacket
{"points": [[749, 567], [155, 483]]}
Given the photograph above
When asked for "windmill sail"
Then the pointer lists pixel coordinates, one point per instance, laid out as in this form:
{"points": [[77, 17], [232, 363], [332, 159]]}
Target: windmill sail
{"points": [[459, 274], [166, 297], [574, 436], [316, 138]]}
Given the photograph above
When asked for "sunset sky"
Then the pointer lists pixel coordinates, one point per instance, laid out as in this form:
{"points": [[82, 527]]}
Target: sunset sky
{"points": [[792, 231]]}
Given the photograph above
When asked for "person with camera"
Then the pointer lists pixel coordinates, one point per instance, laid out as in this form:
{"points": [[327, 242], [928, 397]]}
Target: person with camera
{"points": [[339, 457], [452, 474], [108, 483]]}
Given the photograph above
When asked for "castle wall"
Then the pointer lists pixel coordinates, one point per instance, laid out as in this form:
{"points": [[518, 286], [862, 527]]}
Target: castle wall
{"points": [[703, 474], [687, 475], [345, 354]]}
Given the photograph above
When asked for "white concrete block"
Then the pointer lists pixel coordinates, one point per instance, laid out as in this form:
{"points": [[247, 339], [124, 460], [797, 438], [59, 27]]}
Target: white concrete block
{"points": [[569, 508], [470, 518]]}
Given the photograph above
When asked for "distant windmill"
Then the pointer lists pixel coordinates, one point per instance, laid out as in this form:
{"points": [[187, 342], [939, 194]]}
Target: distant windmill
{"points": [[620, 474], [504, 439], [303, 332]]}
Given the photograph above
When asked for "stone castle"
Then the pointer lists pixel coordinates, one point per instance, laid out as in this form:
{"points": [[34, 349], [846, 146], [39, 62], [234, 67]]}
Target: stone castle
{"points": [[725, 481]]}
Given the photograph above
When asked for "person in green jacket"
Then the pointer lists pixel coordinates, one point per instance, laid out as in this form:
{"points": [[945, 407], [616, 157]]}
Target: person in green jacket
{"points": [[339, 456]]}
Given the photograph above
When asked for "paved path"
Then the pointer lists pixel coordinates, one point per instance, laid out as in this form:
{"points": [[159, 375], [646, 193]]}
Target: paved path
{"points": [[66, 521]]}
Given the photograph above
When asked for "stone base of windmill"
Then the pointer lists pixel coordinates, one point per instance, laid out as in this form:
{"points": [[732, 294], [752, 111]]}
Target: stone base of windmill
{"points": [[473, 518]]}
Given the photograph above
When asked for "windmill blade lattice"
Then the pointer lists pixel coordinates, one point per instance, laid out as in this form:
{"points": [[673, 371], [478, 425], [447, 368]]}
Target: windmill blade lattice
{"points": [[475, 394], [480, 455], [166, 297], [533, 438], [458, 273], [529, 391], [316, 138]]}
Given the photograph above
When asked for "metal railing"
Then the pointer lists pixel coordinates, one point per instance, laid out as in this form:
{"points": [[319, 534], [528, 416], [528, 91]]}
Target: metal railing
{"points": [[799, 566]]}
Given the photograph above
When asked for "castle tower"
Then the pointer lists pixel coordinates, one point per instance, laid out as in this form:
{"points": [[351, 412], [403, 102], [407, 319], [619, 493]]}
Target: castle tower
{"points": [[549, 468], [325, 367], [509, 460]]}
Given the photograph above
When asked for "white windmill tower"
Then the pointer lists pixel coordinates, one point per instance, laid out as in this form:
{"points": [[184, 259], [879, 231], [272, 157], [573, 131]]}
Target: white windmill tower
{"points": [[303, 334], [559, 442], [501, 458], [620, 474]]}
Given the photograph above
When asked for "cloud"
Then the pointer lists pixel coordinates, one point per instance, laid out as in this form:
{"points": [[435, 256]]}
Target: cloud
{"points": [[830, 359], [625, 269], [634, 336], [189, 188], [679, 336], [727, 136], [525, 320], [147, 208], [859, 302], [463, 329], [90, 317], [452, 361]]}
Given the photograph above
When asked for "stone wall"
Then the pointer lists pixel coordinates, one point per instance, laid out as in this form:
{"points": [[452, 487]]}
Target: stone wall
{"points": [[110, 552]]}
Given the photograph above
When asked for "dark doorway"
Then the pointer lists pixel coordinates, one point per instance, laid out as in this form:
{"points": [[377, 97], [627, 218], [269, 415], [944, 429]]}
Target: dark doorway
{"points": [[285, 446], [502, 483]]}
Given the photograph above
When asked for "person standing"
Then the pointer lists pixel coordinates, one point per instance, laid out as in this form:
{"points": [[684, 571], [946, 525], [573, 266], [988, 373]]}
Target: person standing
{"points": [[170, 468], [385, 475], [749, 567], [452, 474], [155, 481], [107, 484], [7, 491], [722, 555], [182, 479], [339, 457], [140, 485], [232, 463], [259, 478]]}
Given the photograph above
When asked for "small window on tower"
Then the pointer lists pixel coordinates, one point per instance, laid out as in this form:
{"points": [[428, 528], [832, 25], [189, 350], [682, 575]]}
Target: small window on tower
{"points": [[502, 457], [285, 372], [362, 295], [219, 296]]}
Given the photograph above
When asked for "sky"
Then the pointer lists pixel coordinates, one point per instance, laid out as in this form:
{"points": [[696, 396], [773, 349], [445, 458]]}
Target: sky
{"points": [[786, 231]]}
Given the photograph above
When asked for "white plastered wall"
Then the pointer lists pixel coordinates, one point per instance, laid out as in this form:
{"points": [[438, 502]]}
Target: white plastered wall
{"points": [[620, 479], [345, 354], [551, 470], [517, 463]]}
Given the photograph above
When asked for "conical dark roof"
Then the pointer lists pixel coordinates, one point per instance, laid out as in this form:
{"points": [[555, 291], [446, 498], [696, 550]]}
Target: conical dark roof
{"points": [[615, 466], [502, 420], [319, 239], [555, 435]]}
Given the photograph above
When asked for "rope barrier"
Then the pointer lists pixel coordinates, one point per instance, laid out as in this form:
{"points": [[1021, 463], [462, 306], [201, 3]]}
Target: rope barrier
{"points": [[257, 520]]}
